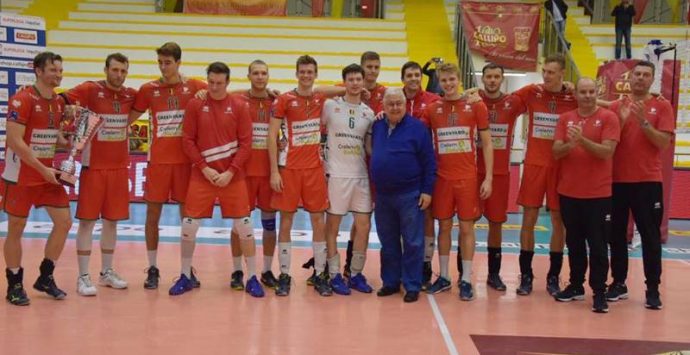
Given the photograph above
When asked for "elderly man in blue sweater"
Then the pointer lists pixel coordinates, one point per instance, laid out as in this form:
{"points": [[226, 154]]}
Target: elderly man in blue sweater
{"points": [[403, 169]]}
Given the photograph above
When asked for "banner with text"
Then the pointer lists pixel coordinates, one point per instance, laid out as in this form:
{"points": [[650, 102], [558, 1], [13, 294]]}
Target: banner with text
{"points": [[236, 7], [21, 38], [505, 33]]}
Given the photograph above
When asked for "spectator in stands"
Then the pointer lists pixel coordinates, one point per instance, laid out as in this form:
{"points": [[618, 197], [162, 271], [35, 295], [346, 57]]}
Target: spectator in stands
{"points": [[432, 85], [558, 9], [624, 14]]}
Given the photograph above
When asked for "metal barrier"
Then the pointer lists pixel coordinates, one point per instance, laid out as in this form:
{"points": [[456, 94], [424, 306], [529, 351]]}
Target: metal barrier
{"points": [[554, 43], [469, 80], [305, 8], [657, 11]]}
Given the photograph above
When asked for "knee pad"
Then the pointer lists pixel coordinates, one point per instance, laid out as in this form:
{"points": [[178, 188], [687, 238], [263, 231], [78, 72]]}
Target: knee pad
{"points": [[243, 227], [190, 226], [269, 225]]}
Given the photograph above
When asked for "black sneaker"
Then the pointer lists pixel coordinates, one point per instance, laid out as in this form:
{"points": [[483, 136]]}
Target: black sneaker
{"points": [[17, 295], [311, 279], [387, 291], [653, 300], [600, 305], [553, 286], [236, 280], [310, 265], [47, 285], [411, 296], [617, 291], [284, 281], [525, 285], [152, 278], [426, 275], [322, 286], [269, 280], [195, 282], [570, 293], [494, 281]]}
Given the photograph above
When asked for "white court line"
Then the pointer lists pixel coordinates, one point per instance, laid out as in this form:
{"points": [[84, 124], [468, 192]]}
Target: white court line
{"points": [[442, 326]]}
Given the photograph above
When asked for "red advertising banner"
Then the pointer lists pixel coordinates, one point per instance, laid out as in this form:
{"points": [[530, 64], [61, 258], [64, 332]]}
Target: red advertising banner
{"points": [[505, 33], [236, 7], [640, 6], [670, 79], [614, 81], [137, 176]]}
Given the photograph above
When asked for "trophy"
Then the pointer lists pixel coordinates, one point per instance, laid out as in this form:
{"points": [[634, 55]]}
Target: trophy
{"points": [[522, 38], [80, 126]]}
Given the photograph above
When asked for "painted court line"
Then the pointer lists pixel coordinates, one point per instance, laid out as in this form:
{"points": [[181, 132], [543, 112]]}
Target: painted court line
{"points": [[442, 326]]}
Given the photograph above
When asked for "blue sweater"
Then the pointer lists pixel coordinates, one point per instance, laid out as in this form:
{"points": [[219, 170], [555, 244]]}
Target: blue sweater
{"points": [[403, 161]]}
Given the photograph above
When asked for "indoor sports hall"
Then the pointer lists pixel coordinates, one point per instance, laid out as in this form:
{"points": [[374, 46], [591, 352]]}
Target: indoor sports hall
{"points": [[216, 319]]}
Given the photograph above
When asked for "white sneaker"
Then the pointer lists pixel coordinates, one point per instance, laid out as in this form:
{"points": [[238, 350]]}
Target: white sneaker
{"points": [[111, 279], [85, 287]]}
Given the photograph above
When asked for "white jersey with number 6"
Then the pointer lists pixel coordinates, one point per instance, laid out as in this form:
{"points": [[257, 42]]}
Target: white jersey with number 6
{"points": [[348, 126]]}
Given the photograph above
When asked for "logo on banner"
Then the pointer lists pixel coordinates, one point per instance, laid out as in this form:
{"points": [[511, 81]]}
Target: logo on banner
{"points": [[3, 34], [522, 37], [19, 50], [22, 79], [30, 22], [4, 94], [487, 36], [4, 77], [16, 64], [622, 83], [25, 36]]}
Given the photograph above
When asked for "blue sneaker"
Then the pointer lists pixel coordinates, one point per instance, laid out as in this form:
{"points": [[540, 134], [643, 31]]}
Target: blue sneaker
{"points": [[182, 285], [441, 284], [359, 283], [466, 291], [339, 286], [254, 287]]}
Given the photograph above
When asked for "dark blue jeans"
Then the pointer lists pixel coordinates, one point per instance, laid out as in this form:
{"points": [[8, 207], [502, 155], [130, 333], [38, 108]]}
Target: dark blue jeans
{"points": [[620, 33], [400, 226]]}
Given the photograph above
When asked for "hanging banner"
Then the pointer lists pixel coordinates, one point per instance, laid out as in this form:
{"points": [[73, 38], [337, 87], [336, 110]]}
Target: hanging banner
{"points": [[236, 7], [670, 79], [505, 33], [21, 38], [614, 81], [640, 7], [137, 176]]}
